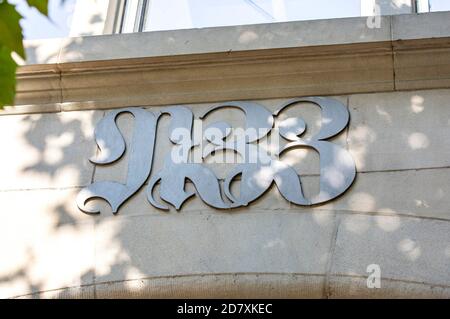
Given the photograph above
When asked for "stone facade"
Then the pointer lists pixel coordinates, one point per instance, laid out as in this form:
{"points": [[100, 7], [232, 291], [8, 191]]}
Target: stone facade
{"points": [[396, 214]]}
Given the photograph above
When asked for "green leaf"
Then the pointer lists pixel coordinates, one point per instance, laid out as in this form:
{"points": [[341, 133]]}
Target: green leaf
{"points": [[10, 30], [7, 77], [41, 5]]}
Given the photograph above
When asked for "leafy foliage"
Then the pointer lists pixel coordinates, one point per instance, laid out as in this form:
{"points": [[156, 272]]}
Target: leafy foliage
{"points": [[11, 40], [41, 5], [10, 30], [7, 77]]}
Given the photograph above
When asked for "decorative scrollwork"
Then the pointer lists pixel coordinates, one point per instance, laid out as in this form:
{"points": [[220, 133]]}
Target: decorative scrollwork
{"points": [[112, 146], [177, 169], [337, 167], [259, 168]]}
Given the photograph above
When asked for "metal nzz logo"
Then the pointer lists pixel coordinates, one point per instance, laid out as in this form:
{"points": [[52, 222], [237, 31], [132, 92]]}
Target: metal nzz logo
{"points": [[258, 168]]}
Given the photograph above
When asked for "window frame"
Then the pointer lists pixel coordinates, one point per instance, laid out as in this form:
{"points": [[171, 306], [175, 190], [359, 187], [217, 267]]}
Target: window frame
{"points": [[117, 13]]}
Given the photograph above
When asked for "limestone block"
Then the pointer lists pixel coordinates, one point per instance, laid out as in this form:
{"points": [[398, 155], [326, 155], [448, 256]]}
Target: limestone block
{"points": [[30, 109], [422, 65], [418, 193], [38, 254], [39, 91], [56, 207], [85, 292], [408, 249], [421, 50], [320, 72], [400, 130], [356, 287], [146, 246], [217, 286], [42, 51], [47, 150], [418, 26], [224, 39]]}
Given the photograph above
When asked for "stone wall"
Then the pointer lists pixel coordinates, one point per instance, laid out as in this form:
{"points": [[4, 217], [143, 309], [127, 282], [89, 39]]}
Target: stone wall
{"points": [[396, 214]]}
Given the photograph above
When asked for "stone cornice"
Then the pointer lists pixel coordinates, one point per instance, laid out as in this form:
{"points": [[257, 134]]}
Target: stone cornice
{"points": [[323, 57]]}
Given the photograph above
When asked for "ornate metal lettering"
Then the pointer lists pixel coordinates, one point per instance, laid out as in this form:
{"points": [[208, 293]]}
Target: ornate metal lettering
{"points": [[177, 169], [258, 168], [112, 146], [337, 168]]}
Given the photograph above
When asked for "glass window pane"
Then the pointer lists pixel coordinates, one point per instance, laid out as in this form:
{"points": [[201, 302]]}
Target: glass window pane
{"points": [[186, 14], [130, 15], [439, 5]]}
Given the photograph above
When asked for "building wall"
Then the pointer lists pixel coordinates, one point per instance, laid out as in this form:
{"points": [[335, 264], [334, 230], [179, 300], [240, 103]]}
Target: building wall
{"points": [[396, 214]]}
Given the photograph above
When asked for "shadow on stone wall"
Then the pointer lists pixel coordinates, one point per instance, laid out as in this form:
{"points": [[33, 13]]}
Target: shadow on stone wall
{"points": [[395, 215]]}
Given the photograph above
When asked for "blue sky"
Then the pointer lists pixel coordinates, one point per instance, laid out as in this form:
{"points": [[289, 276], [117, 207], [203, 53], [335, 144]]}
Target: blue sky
{"points": [[37, 26], [199, 13]]}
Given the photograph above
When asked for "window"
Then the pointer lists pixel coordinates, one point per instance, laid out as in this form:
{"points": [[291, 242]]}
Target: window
{"points": [[95, 17], [439, 5], [156, 15], [433, 5]]}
